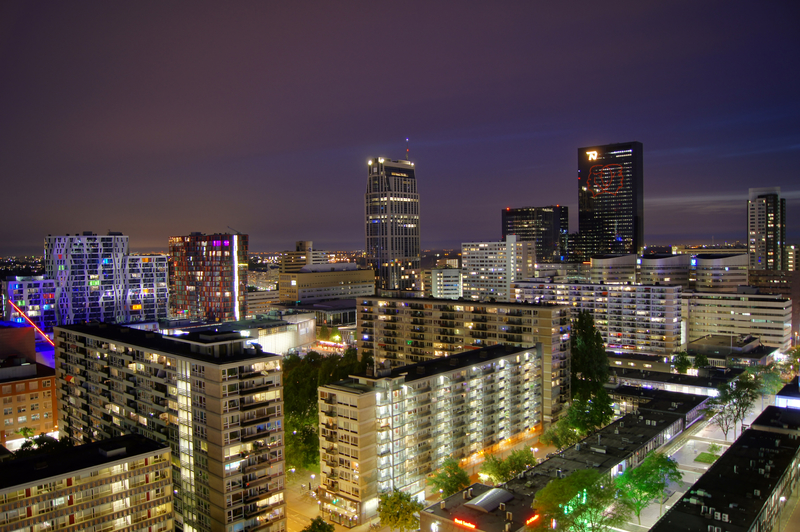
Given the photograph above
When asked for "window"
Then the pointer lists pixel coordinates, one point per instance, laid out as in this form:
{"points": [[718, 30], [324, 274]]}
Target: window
{"points": [[34, 406], [46, 384], [9, 421], [48, 415], [6, 389], [22, 419], [8, 411], [21, 387], [46, 394], [20, 410], [8, 400], [34, 396], [34, 417], [33, 385]]}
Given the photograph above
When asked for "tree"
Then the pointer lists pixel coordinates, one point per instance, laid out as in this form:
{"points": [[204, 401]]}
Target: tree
{"points": [[587, 414], [318, 524], [714, 448], [769, 377], [323, 333], [396, 510], [336, 336], [41, 444], [681, 362], [720, 412], [700, 360], [582, 502], [560, 435], [589, 359], [519, 461], [744, 393], [648, 482], [450, 478], [494, 468]]}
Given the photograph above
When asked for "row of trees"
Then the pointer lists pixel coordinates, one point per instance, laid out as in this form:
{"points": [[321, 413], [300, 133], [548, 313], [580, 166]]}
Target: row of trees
{"points": [[301, 378], [735, 400]]}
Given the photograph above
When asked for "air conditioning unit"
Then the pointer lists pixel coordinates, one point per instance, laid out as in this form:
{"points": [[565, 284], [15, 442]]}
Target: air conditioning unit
{"points": [[503, 506]]}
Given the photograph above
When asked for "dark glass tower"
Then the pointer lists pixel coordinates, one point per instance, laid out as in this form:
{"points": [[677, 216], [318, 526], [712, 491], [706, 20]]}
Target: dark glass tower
{"points": [[766, 229], [611, 199], [391, 207], [546, 227]]}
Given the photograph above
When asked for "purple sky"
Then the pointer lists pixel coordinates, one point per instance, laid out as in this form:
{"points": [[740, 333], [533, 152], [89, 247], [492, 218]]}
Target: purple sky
{"points": [[161, 118]]}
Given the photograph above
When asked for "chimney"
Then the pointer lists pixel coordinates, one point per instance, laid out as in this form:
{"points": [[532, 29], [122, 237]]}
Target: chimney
{"points": [[442, 505]]}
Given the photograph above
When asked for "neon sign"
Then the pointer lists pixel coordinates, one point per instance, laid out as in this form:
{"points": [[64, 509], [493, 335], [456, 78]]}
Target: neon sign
{"points": [[592, 155], [532, 519], [464, 523]]}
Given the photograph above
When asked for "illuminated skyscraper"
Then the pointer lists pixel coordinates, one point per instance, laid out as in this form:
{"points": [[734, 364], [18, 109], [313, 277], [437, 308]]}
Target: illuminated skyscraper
{"points": [[547, 227], [766, 229], [391, 207], [611, 199], [208, 276]]}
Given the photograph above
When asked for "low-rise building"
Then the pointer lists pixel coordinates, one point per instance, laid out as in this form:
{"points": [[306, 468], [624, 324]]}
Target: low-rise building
{"points": [[324, 282], [674, 382], [123, 483], [27, 391], [789, 395], [261, 301], [745, 489]]}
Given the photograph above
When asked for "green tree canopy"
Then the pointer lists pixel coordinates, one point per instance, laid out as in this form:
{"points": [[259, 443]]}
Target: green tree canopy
{"points": [[770, 378], [450, 478], [318, 524], [323, 333], [587, 414], [561, 435], [495, 468], [700, 360], [681, 362], [396, 510], [581, 502], [647, 482], [519, 461], [499, 470], [588, 354], [41, 444], [720, 413]]}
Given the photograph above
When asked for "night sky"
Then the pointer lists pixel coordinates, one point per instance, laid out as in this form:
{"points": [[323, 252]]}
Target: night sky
{"points": [[162, 118]]}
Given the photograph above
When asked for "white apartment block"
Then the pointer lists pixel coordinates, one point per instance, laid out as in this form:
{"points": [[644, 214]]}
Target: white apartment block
{"points": [[391, 430], [631, 318], [664, 269], [489, 268], [613, 269], [404, 331], [218, 406], [767, 317], [442, 283], [720, 273]]}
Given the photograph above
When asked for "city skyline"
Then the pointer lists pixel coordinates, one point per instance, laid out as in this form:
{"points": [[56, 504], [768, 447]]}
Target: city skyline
{"points": [[155, 120]]}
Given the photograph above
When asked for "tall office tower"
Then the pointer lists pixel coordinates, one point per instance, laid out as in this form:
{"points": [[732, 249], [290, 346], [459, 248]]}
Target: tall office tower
{"points": [[89, 271], [766, 229], [208, 276], [391, 209], [303, 255], [547, 227], [489, 268], [611, 198], [392, 430], [120, 484], [217, 404]]}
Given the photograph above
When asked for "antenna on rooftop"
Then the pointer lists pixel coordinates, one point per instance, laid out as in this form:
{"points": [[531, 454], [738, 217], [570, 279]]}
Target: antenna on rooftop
{"points": [[235, 231], [406, 149]]}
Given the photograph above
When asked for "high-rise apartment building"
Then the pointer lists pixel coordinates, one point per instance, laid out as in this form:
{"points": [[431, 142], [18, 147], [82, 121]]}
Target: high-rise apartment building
{"points": [[218, 405], [630, 317], [208, 276], [489, 268], [96, 279], [391, 207], [442, 283], [546, 227], [124, 483], [391, 430], [408, 330], [766, 229], [611, 198]]}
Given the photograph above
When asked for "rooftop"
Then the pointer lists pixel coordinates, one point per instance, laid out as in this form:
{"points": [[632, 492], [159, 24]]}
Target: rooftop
{"points": [[32, 469], [737, 486], [791, 390], [714, 379], [460, 507], [179, 346], [774, 417], [662, 400], [25, 372]]}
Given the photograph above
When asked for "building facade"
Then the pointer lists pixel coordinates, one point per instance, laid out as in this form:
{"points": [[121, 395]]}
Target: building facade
{"points": [[766, 229], [391, 430], [547, 227], [719, 272], [124, 483], [216, 404], [391, 208], [34, 297], [766, 317], [29, 401], [631, 318], [442, 283], [325, 282], [489, 268], [405, 331], [208, 276], [611, 198], [303, 255]]}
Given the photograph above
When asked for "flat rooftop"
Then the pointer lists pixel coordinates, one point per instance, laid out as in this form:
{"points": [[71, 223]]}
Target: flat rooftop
{"points": [[714, 379], [791, 390], [17, 472], [495, 519], [178, 345], [40, 371], [456, 302], [787, 419], [662, 400], [738, 485]]}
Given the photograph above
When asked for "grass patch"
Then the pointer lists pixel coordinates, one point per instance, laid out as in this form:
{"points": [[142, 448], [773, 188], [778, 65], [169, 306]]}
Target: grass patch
{"points": [[706, 458]]}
